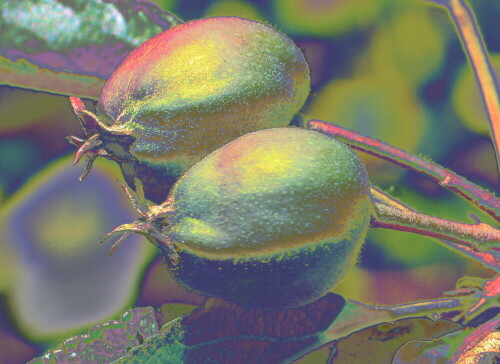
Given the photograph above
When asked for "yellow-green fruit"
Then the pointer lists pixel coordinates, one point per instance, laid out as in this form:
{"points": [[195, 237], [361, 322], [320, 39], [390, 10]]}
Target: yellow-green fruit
{"points": [[194, 88], [271, 220]]}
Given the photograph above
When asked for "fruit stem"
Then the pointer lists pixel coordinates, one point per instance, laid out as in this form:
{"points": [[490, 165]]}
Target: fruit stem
{"points": [[473, 44], [382, 197], [488, 259], [444, 177], [476, 237]]}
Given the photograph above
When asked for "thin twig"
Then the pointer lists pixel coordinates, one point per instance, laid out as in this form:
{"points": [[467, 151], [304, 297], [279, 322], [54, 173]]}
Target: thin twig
{"points": [[446, 178], [386, 199], [490, 259], [473, 44], [476, 237]]}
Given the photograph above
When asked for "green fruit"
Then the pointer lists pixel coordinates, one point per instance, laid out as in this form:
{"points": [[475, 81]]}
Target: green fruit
{"points": [[271, 220], [189, 91]]}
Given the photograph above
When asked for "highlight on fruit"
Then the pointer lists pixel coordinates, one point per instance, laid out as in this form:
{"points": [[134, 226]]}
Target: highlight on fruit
{"points": [[273, 219], [188, 91]]}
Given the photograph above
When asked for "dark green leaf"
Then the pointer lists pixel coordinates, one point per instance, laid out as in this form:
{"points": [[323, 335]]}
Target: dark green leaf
{"points": [[105, 342], [221, 332], [466, 346], [70, 47]]}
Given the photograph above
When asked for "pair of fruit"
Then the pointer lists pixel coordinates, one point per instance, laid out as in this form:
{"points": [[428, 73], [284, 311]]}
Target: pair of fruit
{"points": [[272, 219]]}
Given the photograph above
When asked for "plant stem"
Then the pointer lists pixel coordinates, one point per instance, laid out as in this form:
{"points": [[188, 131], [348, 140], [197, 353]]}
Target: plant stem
{"points": [[446, 178], [473, 44], [477, 237], [386, 199], [487, 258]]}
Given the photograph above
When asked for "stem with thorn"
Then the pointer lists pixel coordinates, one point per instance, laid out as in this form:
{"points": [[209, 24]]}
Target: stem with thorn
{"points": [[382, 197], [149, 224], [490, 259], [446, 178], [476, 237]]}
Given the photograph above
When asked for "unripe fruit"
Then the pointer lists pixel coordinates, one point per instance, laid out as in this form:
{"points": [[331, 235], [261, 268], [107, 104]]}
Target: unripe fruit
{"points": [[271, 220], [189, 91]]}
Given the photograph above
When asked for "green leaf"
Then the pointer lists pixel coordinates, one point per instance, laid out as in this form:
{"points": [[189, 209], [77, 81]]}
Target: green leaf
{"points": [[172, 310], [381, 342], [107, 341], [220, 332], [71, 47], [466, 346]]}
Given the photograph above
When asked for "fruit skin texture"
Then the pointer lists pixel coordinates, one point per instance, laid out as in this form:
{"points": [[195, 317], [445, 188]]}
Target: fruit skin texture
{"points": [[194, 88], [271, 220]]}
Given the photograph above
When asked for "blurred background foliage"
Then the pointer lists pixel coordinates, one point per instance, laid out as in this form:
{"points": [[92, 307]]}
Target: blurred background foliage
{"points": [[393, 70]]}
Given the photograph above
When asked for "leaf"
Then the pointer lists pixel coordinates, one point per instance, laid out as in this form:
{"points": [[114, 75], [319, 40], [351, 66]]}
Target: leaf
{"points": [[466, 346], [381, 342], [75, 49], [222, 332], [172, 310], [105, 342], [438, 350]]}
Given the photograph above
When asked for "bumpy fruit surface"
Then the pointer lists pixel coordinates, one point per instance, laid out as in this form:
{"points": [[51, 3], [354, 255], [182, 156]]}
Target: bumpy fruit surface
{"points": [[189, 91], [271, 220]]}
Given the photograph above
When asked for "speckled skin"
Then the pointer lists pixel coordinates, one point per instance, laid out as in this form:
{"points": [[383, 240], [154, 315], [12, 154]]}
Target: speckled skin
{"points": [[271, 220], [196, 87]]}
